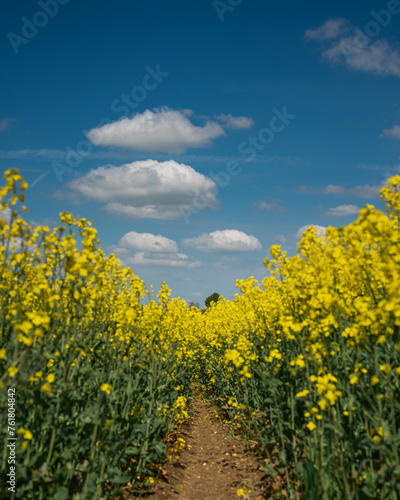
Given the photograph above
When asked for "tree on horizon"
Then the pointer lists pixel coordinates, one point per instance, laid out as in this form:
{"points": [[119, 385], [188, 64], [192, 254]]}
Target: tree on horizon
{"points": [[211, 298]]}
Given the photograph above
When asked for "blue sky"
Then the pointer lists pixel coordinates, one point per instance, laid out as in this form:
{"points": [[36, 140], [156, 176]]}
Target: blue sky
{"points": [[195, 135]]}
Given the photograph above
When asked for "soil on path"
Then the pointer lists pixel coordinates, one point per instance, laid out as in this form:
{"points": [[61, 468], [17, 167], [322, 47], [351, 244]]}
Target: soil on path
{"points": [[213, 466]]}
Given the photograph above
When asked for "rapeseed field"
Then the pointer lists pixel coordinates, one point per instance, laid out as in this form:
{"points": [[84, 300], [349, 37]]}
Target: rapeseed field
{"points": [[307, 362]]}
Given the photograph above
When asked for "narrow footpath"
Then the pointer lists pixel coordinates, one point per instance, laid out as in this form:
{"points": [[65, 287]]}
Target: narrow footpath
{"points": [[213, 466]]}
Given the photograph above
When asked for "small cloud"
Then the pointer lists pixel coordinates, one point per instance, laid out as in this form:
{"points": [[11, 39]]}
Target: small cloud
{"points": [[347, 45], [378, 57], [5, 123], [228, 240], [162, 259], [330, 29], [146, 249], [392, 133], [272, 205], [281, 238], [321, 230], [163, 130], [147, 242], [343, 211], [365, 191], [187, 112], [233, 122]]}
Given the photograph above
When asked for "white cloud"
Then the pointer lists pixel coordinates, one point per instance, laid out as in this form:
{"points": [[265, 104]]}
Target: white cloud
{"points": [[378, 57], [228, 240], [332, 28], [233, 122], [365, 191], [272, 205], [17, 243], [346, 44], [162, 259], [283, 239], [164, 130], [393, 133], [147, 189], [147, 249], [148, 212], [5, 123], [187, 112], [147, 242], [343, 210], [321, 230], [5, 213]]}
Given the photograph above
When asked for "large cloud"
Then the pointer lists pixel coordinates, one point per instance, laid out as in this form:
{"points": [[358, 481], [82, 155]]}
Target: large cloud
{"points": [[345, 44], [147, 189], [228, 240], [163, 130], [146, 249]]}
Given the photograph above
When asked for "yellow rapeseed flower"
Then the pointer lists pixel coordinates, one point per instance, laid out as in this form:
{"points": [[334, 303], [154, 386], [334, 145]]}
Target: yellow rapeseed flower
{"points": [[26, 434], [107, 388], [353, 379], [46, 388], [374, 380], [386, 368], [302, 394], [12, 371]]}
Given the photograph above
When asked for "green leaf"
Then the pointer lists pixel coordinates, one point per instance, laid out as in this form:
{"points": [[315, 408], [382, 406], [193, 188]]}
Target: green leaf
{"points": [[122, 478], [62, 493], [270, 469]]}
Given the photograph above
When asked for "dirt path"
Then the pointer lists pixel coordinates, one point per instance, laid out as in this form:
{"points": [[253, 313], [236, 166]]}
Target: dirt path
{"points": [[212, 466]]}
